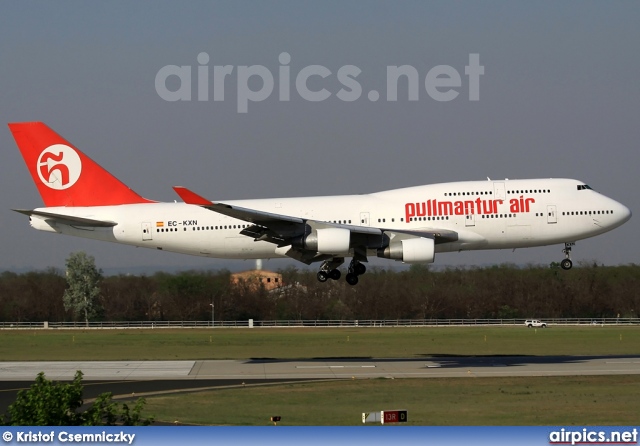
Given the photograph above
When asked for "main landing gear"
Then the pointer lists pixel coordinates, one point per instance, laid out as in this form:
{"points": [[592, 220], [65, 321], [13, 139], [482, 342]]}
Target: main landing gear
{"points": [[329, 270], [566, 262], [355, 269]]}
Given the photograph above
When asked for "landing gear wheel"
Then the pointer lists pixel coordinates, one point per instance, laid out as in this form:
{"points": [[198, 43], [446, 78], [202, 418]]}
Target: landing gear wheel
{"points": [[360, 269], [566, 264], [329, 269], [352, 279]]}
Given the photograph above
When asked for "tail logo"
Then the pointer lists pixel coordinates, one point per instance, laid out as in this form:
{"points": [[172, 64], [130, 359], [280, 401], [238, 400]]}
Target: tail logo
{"points": [[59, 166]]}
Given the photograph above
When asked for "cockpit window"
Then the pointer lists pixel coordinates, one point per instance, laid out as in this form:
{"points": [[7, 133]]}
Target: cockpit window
{"points": [[584, 187]]}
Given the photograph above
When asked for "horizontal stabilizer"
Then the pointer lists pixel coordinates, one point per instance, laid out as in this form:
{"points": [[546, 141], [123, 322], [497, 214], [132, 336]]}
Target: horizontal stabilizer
{"points": [[69, 219]]}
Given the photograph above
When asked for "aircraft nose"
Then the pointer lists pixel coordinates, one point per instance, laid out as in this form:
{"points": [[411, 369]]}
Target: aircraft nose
{"points": [[623, 213], [626, 213]]}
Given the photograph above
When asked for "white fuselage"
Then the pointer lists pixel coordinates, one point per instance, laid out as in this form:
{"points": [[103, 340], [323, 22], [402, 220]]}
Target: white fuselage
{"points": [[485, 214]]}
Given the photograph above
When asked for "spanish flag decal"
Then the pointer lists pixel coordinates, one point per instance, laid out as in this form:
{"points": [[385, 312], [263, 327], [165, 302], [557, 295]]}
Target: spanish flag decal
{"points": [[159, 224]]}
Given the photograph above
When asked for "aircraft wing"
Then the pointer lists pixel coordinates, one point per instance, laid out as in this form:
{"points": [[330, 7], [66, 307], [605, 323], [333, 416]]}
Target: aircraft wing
{"points": [[250, 215], [69, 219], [283, 229]]}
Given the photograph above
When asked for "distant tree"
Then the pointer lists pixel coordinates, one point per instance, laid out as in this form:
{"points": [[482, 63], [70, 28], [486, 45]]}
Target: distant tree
{"points": [[83, 286], [31, 296], [185, 296], [506, 312], [47, 403], [501, 291]]}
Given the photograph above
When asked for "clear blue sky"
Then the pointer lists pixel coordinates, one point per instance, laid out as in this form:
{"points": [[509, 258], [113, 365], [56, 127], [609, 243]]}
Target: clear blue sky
{"points": [[560, 97]]}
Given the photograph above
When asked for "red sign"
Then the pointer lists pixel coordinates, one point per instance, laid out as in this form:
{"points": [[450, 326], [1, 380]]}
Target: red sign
{"points": [[395, 416]]}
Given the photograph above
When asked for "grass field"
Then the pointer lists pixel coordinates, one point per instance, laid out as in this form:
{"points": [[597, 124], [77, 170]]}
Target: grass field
{"points": [[302, 343], [437, 401], [591, 400]]}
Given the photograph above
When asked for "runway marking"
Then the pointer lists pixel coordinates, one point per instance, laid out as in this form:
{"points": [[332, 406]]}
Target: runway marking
{"points": [[623, 362], [335, 366]]}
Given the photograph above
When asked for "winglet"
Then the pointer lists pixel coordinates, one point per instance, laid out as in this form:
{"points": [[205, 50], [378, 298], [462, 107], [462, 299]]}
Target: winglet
{"points": [[190, 197]]}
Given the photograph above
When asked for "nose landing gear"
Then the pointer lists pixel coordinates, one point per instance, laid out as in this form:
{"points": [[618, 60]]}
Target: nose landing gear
{"points": [[566, 263]]}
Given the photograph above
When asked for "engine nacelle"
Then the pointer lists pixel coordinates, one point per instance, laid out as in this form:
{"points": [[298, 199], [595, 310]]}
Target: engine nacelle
{"points": [[328, 241], [412, 250]]}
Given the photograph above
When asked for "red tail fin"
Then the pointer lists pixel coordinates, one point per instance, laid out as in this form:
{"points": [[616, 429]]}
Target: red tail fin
{"points": [[63, 174]]}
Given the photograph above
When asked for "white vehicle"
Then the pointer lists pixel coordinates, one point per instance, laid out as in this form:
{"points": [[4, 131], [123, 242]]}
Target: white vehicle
{"points": [[535, 323], [410, 225]]}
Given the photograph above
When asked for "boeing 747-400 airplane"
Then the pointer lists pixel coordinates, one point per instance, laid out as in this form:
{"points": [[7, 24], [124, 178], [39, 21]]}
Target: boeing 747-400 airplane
{"points": [[409, 225]]}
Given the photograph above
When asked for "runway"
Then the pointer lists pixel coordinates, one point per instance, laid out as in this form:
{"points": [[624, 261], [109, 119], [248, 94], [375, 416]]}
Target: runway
{"points": [[268, 369], [132, 379]]}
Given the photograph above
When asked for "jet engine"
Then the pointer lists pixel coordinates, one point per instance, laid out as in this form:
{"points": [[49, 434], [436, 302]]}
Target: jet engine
{"points": [[412, 250], [326, 241]]}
